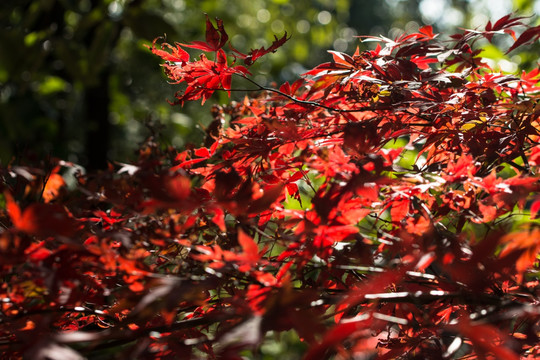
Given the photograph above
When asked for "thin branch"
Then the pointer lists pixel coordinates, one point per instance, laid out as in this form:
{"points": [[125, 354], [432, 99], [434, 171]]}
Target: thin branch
{"points": [[307, 102], [517, 166], [122, 337], [79, 310]]}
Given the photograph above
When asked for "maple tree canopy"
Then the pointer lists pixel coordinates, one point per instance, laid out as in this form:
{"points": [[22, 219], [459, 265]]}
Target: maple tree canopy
{"points": [[382, 206]]}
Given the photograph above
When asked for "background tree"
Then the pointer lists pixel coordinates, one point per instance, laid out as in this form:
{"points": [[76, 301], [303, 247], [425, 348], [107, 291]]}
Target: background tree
{"points": [[82, 67]]}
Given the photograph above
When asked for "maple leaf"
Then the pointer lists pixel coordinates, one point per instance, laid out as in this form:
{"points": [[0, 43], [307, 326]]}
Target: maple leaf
{"points": [[253, 55], [337, 335], [216, 38], [219, 217], [53, 188], [167, 191], [535, 207], [38, 252], [504, 24], [249, 247], [487, 338], [42, 219], [177, 54], [427, 31], [464, 168], [399, 209], [526, 244], [528, 36], [250, 251]]}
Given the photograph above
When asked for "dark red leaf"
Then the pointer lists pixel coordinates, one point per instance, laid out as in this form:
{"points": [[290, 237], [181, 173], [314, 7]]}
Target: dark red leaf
{"points": [[337, 335], [257, 53], [529, 35], [216, 38], [46, 220]]}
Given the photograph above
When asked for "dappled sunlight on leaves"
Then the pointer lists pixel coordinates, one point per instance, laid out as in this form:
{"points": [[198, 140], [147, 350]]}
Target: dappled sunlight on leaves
{"points": [[381, 206]]}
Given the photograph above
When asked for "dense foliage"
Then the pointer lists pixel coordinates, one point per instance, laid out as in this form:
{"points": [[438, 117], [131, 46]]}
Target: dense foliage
{"points": [[381, 206]]}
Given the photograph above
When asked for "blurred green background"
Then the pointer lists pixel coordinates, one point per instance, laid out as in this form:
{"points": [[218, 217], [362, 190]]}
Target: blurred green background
{"points": [[77, 82]]}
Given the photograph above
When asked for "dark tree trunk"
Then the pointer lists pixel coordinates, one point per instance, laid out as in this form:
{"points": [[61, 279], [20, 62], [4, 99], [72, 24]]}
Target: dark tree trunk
{"points": [[97, 142]]}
